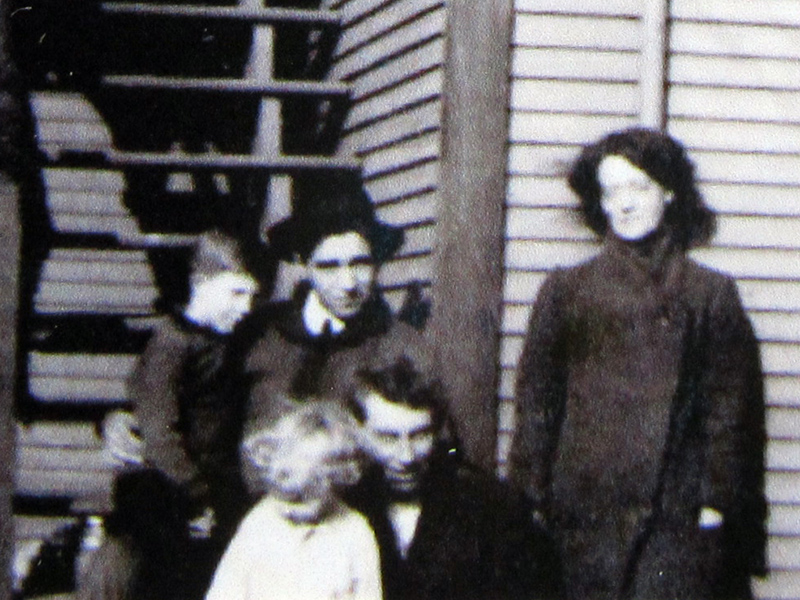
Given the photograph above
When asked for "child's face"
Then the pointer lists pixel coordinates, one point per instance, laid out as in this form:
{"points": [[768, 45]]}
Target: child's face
{"points": [[223, 300], [299, 480]]}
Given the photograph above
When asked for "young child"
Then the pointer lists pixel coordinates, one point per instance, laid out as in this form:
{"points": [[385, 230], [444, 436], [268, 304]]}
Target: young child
{"points": [[185, 405], [300, 542]]}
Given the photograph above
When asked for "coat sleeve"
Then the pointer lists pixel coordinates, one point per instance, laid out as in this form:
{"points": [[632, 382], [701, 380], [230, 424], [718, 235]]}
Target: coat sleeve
{"points": [[540, 393], [736, 431], [528, 564], [155, 389]]}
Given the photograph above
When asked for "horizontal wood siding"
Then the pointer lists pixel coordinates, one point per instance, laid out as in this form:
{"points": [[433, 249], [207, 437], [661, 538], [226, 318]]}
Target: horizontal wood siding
{"points": [[392, 53], [575, 69], [732, 98]]}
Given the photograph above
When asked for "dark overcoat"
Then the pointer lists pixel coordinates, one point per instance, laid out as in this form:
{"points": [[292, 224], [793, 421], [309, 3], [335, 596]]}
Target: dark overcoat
{"points": [[286, 364], [639, 398], [474, 539], [190, 416]]}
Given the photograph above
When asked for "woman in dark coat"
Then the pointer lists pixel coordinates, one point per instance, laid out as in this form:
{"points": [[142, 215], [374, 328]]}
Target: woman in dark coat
{"points": [[639, 393]]}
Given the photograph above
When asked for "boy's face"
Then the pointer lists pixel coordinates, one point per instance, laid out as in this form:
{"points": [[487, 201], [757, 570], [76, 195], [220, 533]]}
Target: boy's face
{"points": [[299, 480], [342, 273], [400, 438], [221, 301], [633, 203]]}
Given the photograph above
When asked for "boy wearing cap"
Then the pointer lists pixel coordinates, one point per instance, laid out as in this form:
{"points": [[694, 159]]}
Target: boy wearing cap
{"points": [[314, 343], [183, 402], [190, 424]]}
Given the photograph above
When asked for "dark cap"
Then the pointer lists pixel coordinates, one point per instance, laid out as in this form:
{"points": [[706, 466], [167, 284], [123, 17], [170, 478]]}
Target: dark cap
{"points": [[215, 252], [323, 207]]}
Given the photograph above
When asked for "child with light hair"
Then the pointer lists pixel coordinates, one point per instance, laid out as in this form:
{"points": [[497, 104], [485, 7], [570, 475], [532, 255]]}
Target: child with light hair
{"points": [[301, 542]]}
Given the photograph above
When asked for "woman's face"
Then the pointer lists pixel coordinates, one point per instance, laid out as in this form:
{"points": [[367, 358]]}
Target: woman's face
{"points": [[633, 203]]}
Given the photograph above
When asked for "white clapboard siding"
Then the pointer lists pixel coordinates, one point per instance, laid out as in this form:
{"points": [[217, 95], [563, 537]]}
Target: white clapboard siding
{"points": [[67, 121], [574, 73], [60, 459], [96, 281], [732, 98], [392, 53], [427, 26], [623, 8], [79, 377], [91, 202]]}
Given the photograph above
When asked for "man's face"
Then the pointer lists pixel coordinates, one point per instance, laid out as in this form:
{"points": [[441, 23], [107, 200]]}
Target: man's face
{"points": [[633, 203], [342, 273], [400, 438], [221, 301]]}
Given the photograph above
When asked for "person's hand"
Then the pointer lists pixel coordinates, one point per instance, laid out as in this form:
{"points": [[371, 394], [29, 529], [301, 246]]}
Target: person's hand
{"points": [[121, 443], [710, 518], [200, 528]]}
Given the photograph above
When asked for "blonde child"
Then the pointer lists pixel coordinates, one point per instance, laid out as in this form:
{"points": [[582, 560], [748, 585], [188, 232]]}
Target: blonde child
{"points": [[301, 542]]}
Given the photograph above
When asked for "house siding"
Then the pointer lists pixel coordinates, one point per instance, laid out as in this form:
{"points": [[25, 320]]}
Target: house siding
{"points": [[732, 98]]}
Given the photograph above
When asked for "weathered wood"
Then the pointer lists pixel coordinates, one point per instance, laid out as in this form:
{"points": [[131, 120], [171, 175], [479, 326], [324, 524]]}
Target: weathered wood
{"points": [[601, 97], [172, 161], [621, 8], [569, 31], [273, 15], [425, 27], [422, 89], [737, 40], [468, 276], [378, 23], [403, 155], [10, 236], [653, 73], [409, 65], [413, 122]]}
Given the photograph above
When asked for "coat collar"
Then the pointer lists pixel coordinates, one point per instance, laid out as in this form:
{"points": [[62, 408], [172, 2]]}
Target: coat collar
{"points": [[655, 260], [373, 319]]}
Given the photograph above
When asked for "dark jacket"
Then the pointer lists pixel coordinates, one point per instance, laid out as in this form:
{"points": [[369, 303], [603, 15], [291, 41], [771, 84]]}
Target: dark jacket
{"points": [[144, 554], [286, 363], [189, 417], [640, 401], [474, 539]]}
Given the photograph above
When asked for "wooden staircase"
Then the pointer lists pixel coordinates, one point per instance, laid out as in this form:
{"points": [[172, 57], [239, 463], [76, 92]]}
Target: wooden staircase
{"points": [[155, 121]]}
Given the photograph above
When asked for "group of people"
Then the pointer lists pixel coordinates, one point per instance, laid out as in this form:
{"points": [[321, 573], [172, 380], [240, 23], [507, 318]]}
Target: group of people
{"points": [[306, 450]]}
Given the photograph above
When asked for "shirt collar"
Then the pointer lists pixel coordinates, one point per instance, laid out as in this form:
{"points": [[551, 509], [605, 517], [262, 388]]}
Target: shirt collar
{"points": [[315, 316]]}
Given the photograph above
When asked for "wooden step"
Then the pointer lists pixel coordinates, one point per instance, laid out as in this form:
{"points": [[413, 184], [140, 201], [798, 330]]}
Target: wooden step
{"points": [[177, 161], [110, 282], [333, 90], [63, 460], [80, 378], [263, 15]]}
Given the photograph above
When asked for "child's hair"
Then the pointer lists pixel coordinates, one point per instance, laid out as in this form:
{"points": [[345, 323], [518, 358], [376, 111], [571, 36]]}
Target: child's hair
{"points": [[344, 460], [215, 252]]}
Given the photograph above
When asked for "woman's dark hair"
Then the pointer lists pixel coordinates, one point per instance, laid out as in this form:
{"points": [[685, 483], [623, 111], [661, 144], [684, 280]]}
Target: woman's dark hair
{"points": [[665, 161]]}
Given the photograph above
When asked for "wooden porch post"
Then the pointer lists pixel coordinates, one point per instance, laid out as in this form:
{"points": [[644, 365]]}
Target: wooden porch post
{"points": [[468, 268], [10, 248]]}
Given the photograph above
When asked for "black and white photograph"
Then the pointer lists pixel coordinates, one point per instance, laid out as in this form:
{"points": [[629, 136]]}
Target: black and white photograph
{"points": [[400, 299]]}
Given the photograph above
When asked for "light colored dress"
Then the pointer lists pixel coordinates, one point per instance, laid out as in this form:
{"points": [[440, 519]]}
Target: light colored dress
{"points": [[271, 558]]}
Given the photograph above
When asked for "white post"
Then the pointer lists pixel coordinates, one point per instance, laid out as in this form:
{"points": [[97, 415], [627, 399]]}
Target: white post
{"points": [[653, 76], [267, 138]]}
